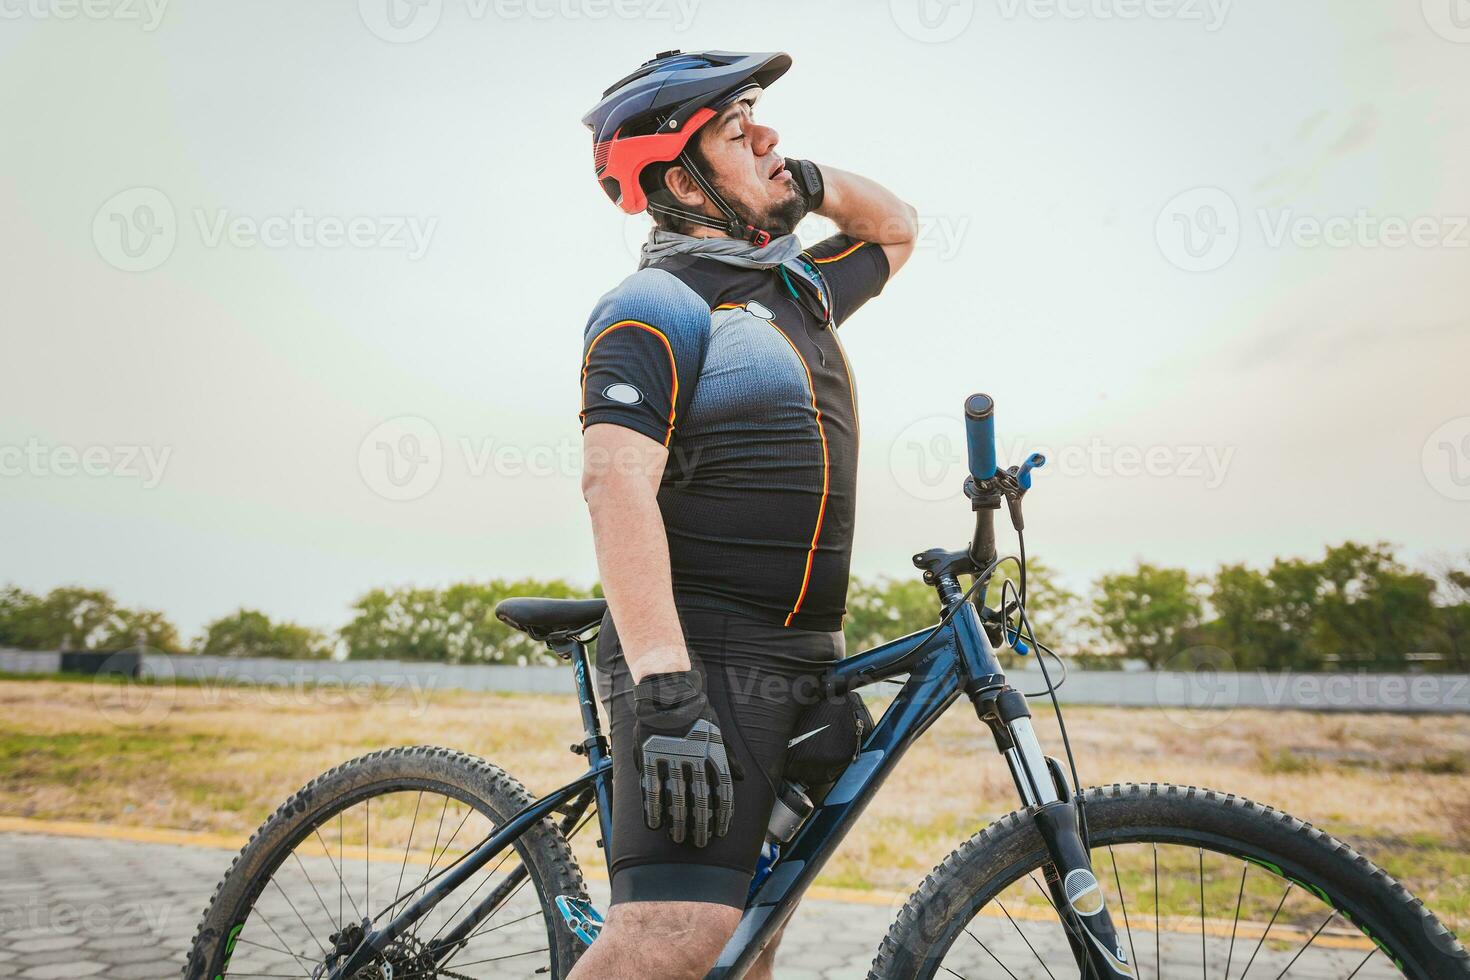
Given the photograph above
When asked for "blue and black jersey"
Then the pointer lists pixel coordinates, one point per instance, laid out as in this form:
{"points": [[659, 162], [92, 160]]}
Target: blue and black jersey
{"points": [[738, 371]]}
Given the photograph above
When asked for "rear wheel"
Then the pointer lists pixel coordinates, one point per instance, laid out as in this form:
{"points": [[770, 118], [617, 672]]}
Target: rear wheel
{"points": [[354, 846], [1198, 884]]}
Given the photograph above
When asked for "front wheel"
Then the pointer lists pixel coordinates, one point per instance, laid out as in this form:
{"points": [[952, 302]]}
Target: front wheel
{"points": [[1199, 884], [355, 845]]}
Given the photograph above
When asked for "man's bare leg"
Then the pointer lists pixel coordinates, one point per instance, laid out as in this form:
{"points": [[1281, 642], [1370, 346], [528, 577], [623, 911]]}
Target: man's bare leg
{"points": [[664, 941]]}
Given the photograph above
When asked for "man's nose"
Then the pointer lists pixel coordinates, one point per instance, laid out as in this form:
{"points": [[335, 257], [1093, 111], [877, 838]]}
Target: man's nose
{"points": [[763, 139]]}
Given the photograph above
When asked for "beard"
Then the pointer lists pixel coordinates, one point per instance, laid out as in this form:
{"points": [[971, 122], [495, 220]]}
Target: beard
{"points": [[778, 219]]}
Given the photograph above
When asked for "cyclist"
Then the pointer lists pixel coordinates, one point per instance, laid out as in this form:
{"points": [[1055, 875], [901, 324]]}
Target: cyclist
{"points": [[720, 443]]}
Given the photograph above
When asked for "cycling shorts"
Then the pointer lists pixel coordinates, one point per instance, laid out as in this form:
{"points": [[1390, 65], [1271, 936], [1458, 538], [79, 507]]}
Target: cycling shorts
{"points": [[759, 677]]}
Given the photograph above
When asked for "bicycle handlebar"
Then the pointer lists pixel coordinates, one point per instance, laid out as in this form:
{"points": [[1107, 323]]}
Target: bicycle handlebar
{"points": [[980, 435]]}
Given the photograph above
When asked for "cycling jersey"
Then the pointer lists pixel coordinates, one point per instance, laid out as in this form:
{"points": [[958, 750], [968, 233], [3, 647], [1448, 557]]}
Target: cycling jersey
{"points": [[735, 366]]}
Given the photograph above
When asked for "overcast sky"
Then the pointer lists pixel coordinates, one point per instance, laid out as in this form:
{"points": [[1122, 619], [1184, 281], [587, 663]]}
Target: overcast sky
{"points": [[294, 292]]}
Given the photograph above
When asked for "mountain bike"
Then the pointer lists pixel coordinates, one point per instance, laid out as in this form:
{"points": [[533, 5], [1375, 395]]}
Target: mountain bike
{"points": [[414, 862]]}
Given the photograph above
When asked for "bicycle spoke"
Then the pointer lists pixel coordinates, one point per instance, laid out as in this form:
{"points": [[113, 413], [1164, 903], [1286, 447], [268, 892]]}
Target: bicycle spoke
{"points": [[1158, 933], [992, 956], [1244, 867], [367, 852], [1262, 940], [341, 886], [298, 916], [398, 889], [1117, 880], [300, 959], [1362, 964], [1026, 941], [1309, 943], [336, 925], [1204, 954]]}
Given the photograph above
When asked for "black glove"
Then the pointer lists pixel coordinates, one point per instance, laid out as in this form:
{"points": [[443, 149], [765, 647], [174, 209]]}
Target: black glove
{"points": [[807, 177], [682, 757]]}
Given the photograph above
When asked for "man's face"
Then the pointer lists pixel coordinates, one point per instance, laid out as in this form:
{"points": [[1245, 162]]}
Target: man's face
{"points": [[746, 170]]}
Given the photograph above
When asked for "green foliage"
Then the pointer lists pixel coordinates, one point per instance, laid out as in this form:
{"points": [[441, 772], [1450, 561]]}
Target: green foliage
{"points": [[1148, 614], [455, 625], [885, 608], [1373, 611], [250, 633], [74, 618]]}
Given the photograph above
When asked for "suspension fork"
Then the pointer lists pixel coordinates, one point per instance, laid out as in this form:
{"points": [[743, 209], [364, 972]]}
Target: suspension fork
{"points": [[1074, 889]]}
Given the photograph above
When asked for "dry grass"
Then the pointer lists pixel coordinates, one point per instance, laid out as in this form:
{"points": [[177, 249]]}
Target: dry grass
{"points": [[219, 759]]}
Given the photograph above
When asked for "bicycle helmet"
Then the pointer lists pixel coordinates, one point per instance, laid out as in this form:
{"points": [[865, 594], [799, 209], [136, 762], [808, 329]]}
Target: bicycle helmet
{"points": [[650, 116]]}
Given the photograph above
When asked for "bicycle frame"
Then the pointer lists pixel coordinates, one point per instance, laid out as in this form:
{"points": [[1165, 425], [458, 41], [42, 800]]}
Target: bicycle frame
{"points": [[940, 664]]}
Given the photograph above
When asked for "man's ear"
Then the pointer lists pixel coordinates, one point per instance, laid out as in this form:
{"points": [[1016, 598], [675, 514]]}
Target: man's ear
{"points": [[684, 189]]}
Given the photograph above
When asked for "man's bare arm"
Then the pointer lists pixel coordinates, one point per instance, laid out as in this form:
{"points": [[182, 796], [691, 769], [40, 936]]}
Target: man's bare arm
{"points": [[620, 478], [866, 209]]}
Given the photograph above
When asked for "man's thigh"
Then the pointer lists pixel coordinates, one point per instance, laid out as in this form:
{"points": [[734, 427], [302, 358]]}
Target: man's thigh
{"points": [[646, 940]]}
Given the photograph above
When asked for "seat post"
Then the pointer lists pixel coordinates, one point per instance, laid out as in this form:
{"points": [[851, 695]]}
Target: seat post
{"points": [[595, 746]]}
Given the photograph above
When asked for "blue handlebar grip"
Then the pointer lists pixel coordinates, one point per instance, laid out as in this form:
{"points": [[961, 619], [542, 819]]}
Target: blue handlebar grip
{"points": [[980, 435], [1017, 644]]}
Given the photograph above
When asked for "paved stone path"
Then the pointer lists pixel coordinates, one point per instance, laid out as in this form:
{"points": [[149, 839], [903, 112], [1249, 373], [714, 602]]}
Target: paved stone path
{"points": [[81, 907]]}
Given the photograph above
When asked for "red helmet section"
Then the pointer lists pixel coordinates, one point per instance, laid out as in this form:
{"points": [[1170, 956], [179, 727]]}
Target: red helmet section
{"points": [[620, 161]]}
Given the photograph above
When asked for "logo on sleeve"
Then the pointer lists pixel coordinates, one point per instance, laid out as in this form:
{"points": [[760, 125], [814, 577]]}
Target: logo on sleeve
{"points": [[623, 393]]}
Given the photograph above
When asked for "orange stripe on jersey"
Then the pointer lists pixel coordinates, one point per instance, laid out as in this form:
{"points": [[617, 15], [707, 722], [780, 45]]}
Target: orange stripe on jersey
{"points": [[840, 255], [674, 367], [811, 554], [727, 306]]}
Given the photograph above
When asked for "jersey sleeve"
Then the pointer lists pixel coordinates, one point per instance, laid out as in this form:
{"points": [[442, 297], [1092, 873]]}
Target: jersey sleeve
{"points": [[641, 355], [855, 272]]}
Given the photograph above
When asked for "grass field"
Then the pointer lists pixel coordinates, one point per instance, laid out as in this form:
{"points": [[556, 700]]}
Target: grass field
{"points": [[220, 758]]}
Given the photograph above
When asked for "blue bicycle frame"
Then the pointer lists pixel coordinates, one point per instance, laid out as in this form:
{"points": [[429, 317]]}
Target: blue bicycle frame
{"points": [[941, 662]]}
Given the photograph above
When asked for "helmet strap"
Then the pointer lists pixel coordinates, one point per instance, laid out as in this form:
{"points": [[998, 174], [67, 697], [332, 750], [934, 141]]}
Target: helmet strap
{"points": [[732, 224]]}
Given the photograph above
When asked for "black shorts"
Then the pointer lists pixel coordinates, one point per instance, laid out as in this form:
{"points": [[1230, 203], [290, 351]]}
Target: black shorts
{"points": [[759, 677]]}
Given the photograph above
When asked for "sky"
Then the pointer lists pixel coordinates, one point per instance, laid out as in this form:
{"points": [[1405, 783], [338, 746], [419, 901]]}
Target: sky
{"points": [[294, 293]]}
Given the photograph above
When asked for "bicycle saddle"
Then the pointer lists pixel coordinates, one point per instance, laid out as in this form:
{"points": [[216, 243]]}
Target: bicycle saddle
{"points": [[542, 619]]}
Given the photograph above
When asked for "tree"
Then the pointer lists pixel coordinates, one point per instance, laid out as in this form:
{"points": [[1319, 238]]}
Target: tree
{"points": [[16, 605], [141, 627], [1452, 609], [886, 608], [1264, 619], [1148, 613], [1373, 610], [1054, 611], [250, 633], [453, 625]]}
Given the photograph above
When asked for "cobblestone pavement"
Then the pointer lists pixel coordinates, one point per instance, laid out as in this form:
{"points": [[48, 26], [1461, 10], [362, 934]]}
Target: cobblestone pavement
{"points": [[80, 907]]}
